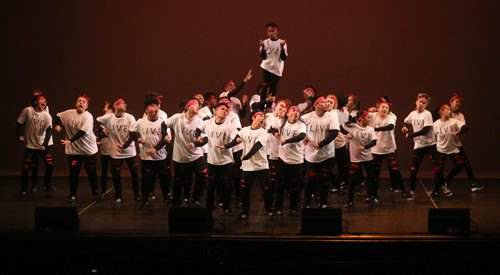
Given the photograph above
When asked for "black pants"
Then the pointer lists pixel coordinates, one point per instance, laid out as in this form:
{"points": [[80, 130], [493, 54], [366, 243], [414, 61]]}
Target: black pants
{"points": [[272, 81], [105, 160], [75, 163], [149, 170], [183, 173], [237, 173], [318, 176], [466, 166], [116, 169], [288, 178], [340, 164], [356, 176], [247, 180], [458, 165], [219, 177], [30, 162], [273, 177], [392, 165], [417, 157]]}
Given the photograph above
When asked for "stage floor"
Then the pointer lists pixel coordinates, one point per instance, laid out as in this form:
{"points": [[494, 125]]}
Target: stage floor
{"points": [[394, 218]]}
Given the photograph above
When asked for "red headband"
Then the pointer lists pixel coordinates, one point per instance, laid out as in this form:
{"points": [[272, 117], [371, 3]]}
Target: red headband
{"points": [[118, 101], [456, 96], [284, 102], [189, 103], [256, 114], [383, 100], [294, 107], [318, 100], [363, 114], [225, 100], [160, 99]]}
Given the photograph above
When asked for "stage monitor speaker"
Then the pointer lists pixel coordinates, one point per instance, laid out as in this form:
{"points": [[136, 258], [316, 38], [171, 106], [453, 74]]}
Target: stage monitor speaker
{"points": [[190, 220], [321, 221], [449, 221], [56, 219]]}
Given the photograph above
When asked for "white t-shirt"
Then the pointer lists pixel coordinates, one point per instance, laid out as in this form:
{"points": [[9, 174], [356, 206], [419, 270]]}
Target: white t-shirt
{"points": [[460, 117], [150, 132], [162, 115], [118, 128], [447, 142], [36, 125], [386, 142], [292, 153], [418, 122], [236, 105], [361, 136], [259, 160], [72, 122], [106, 146], [218, 134], [341, 140], [234, 119], [317, 130], [272, 142], [184, 130], [273, 63]]}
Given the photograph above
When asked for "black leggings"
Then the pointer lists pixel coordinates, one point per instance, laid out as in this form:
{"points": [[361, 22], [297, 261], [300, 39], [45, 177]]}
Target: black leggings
{"points": [[458, 165], [318, 174], [356, 176], [116, 169], [237, 172], [417, 157], [105, 160], [149, 170], [466, 165], [219, 177], [288, 178], [247, 180], [30, 162], [183, 173], [75, 163], [272, 81], [342, 162], [392, 165]]}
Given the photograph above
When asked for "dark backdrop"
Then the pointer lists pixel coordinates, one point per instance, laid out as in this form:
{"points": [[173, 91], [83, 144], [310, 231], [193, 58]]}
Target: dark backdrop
{"points": [[111, 49]]}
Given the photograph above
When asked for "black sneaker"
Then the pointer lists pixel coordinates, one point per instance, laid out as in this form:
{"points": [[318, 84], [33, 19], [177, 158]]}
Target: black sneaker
{"points": [[294, 213], [269, 213], [96, 196], [49, 188], [243, 215], [138, 198], [228, 212], [349, 204], [279, 212], [33, 189], [476, 187], [145, 204], [71, 199], [22, 195], [376, 201], [152, 196], [446, 191], [410, 196]]}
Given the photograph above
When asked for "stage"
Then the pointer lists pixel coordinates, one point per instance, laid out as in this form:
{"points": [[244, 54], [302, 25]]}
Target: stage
{"points": [[130, 239]]}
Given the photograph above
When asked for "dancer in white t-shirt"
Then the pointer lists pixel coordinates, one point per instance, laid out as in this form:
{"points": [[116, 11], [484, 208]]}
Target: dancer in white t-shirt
{"points": [[455, 103], [384, 122], [151, 132], [290, 133], [34, 129], [362, 138], [105, 144], [231, 90], [273, 52], [322, 128], [424, 140], [447, 130], [187, 155], [79, 144], [219, 131], [254, 163], [123, 147]]}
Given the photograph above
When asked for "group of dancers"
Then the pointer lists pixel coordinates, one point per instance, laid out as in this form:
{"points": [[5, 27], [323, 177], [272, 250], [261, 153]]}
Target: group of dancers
{"points": [[324, 144]]}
